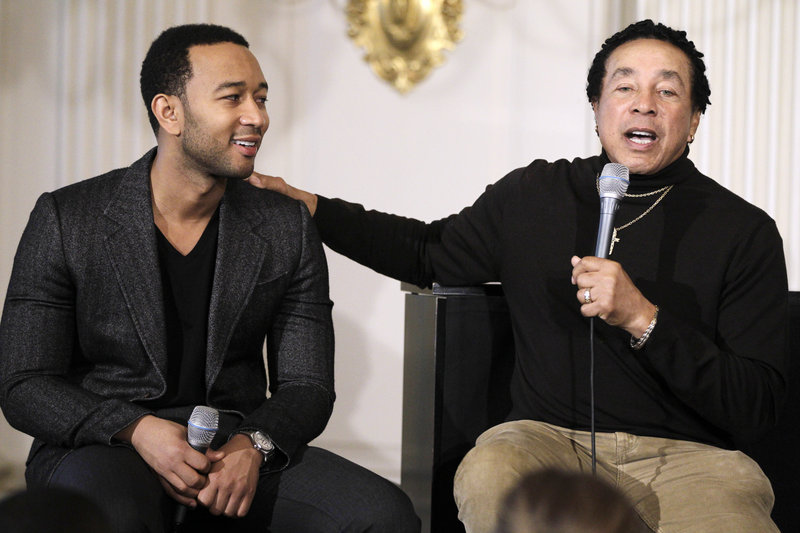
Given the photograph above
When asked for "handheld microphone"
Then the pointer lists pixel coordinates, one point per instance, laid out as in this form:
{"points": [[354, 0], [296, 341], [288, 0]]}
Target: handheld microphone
{"points": [[201, 428], [611, 185]]}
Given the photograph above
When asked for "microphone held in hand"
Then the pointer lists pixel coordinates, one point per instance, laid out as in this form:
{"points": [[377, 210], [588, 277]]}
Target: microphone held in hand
{"points": [[201, 429], [612, 184]]}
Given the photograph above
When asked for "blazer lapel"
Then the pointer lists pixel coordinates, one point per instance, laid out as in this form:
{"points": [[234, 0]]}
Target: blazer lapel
{"points": [[240, 256], [132, 251]]}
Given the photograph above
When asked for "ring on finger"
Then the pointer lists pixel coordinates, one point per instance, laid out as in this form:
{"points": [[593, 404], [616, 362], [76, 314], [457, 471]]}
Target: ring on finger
{"points": [[587, 296]]}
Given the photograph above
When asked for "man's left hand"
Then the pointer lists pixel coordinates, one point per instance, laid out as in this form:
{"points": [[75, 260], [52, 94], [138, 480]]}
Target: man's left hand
{"points": [[614, 297], [233, 478]]}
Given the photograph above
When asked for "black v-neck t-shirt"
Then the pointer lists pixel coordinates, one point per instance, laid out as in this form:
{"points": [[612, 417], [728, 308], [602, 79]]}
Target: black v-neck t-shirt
{"points": [[186, 281]]}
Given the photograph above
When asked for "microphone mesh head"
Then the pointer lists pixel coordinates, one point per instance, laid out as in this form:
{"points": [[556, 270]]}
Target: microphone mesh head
{"points": [[613, 181], [202, 427]]}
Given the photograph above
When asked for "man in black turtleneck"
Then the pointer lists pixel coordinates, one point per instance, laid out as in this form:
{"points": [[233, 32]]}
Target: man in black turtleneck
{"points": [[692, 303]]}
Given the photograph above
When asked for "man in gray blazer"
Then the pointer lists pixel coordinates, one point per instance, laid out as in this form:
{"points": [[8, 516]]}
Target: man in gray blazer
{"points": [[140, 293]]}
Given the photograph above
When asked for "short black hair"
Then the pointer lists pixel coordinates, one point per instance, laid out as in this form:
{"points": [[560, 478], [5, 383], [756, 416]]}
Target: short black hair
{"points": [[647, 29], [166, 67]]}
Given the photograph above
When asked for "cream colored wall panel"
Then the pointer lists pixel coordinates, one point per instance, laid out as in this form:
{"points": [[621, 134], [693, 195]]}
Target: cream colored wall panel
{"points": [[790, 173]]}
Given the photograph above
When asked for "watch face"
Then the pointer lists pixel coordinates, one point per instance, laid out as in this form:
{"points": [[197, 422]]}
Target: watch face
{"points": [[262, 441]]}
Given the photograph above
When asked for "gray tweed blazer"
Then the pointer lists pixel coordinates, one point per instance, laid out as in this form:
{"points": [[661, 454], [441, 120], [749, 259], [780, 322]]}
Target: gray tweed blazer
{"points": [[82, 337]]}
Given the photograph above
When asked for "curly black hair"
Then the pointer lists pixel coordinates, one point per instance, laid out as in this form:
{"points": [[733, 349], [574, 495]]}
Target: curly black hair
{"points": [[647, 29], [166, 67]]}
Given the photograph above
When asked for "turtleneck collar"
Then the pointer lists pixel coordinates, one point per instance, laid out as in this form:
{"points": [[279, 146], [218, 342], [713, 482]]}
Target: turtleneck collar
{"points": [[676, 172]]}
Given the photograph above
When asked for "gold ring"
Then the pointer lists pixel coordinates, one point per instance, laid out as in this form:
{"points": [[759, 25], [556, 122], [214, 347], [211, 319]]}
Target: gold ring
{"points": [[587, 296]]}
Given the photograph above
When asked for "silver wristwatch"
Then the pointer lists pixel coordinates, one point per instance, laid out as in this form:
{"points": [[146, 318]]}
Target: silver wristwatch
{"points": [[261, 442]]}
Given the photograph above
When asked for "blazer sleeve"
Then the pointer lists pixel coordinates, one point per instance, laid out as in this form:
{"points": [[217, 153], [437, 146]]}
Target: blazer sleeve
{"points": [[40, 392], [300, 354]]}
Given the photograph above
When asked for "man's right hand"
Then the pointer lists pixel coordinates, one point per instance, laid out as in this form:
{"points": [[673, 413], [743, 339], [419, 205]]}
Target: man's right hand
{"points": [[181, 469], [274, 183]]}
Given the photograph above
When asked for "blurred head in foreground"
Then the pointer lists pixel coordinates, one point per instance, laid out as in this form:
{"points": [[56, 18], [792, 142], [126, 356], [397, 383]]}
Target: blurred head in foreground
{"points": [[554, 501]]}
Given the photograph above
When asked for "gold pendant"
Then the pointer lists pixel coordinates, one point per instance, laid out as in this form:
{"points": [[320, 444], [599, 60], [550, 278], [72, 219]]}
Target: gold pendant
{"points": [[614, 240]]}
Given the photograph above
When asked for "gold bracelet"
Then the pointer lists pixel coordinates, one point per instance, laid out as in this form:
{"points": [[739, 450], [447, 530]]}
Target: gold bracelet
{"points": [[637, 344]]}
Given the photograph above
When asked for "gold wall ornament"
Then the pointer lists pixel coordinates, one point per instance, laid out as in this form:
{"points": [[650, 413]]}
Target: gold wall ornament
{"points": [[404, 39]]}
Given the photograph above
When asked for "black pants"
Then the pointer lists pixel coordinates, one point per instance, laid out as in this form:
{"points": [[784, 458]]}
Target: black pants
{"points": [[319, 492]]}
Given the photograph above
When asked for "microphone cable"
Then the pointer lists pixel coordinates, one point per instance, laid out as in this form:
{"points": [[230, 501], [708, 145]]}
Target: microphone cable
{"points": [[591, 394]]}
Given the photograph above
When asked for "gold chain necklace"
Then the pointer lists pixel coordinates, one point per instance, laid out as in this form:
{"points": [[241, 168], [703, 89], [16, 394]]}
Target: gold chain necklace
{"points": [[642, 195], [614, 238]]}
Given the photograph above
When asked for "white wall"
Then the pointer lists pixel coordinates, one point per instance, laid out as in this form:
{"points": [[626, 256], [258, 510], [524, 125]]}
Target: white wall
{"points": [[511, 91]]}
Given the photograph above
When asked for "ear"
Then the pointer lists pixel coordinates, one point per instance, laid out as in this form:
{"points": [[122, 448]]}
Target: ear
{"points": [[594, 111], [169, 113], [694, 123]]}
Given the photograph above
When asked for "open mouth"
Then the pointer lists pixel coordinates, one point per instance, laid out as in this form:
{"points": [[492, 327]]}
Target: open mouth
{"points": [[248, 144], [247, 147], [643, 137]]}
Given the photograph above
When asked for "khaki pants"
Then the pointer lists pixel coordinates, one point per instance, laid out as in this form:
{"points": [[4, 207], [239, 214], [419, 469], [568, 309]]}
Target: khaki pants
{"points": [[675, 486]]}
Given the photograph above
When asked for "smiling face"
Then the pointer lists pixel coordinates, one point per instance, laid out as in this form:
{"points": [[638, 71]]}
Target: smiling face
{"points": [[225, 114], [644, 113]]}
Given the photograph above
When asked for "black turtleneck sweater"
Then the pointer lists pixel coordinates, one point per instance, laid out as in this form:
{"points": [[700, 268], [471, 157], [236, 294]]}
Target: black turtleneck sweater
{"points": [[713, 368]]}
